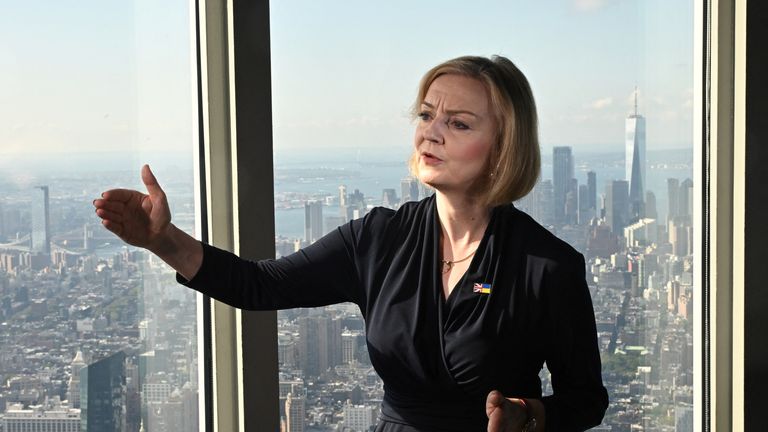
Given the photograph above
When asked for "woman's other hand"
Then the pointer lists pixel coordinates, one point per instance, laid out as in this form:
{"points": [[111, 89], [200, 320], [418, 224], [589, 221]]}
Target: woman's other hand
{"points": [[503, 414], [138, 219]]}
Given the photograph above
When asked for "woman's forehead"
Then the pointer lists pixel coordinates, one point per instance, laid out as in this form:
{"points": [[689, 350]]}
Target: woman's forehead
{"points": [[453, 92]]}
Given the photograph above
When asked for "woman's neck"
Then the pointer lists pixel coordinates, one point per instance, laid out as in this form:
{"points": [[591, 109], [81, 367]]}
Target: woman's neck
{"points": [[462, 218]]}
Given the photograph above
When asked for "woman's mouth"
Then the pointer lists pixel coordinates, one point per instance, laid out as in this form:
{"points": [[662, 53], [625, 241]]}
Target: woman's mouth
{"points": [[430, 159]]}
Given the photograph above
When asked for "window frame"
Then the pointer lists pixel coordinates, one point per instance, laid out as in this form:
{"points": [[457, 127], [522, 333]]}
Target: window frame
{"points": [[238, 204], [236, 121]]}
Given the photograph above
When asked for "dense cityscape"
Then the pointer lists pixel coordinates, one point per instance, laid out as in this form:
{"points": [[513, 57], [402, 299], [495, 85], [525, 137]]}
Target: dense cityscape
{"points": [[97, 336], [639, 271]]}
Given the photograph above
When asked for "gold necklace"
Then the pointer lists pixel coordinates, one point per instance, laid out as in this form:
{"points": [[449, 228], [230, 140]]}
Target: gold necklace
{"points": [[448, 265]]}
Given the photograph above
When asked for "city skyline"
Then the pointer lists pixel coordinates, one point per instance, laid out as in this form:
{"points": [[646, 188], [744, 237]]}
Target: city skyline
{"points": [[101, 88], [583, 84]]}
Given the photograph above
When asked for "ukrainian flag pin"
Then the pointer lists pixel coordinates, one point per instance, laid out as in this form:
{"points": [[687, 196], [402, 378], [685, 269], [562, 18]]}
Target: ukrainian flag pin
{"points": [[482, 288]]}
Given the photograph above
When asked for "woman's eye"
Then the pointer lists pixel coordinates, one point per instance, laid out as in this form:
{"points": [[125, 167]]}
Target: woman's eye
{"points": [[423, 115], [460, 125]]}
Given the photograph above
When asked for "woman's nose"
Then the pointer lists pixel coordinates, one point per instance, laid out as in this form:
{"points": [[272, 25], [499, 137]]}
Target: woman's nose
{"points": [[433, 132]]}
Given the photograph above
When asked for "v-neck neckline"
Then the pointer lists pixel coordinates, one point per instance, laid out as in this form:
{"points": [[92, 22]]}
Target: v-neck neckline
{"points": [[472, 263]]}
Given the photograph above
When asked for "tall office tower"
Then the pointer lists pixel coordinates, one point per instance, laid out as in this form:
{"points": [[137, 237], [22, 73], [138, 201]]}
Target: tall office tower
{"points": [[562, 173], [389, 198], [343, 196], [356, 198], [87, 237], [685, 199], [544, 207], [313, 221], [409, 189], [592, 184], [319, 344], [103, 395], [41, 221], [634, 161], [189, 408], [680, 234], [572, 202], [673, 198], [650, 205], [617, 206], [294, 413], [309, 347], [586, 213], [348, 346], [73, 387], [333, 342]]}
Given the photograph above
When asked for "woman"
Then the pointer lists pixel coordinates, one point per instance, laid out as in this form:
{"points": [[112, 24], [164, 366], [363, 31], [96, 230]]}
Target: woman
{"points": [[464, 296]]}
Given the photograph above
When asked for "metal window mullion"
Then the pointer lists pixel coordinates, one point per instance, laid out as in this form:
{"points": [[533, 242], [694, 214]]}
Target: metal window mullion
{"points": [[254, 192], [215, 78], [720, 218]]}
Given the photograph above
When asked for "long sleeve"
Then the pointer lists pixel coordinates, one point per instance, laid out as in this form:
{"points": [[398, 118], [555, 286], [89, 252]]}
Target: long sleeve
{"points": [[320, 274], [579, 399]]}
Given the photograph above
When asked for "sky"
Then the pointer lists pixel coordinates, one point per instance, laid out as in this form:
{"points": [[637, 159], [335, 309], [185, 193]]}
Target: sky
{"points": [[96, 76]]}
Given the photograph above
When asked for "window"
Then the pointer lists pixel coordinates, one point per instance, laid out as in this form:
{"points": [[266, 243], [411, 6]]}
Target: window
{"points": [[614, 84], [96, 334]]}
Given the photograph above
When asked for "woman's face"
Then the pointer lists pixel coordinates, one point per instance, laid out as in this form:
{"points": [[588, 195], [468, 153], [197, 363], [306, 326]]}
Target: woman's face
{"points": [[455, 133]]}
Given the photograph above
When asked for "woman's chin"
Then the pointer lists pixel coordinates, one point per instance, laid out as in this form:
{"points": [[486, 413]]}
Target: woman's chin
{"points": [[430, 181]]}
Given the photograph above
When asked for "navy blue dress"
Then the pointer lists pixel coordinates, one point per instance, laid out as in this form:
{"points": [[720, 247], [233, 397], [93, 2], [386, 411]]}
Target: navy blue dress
{"points": [[522, 301]]}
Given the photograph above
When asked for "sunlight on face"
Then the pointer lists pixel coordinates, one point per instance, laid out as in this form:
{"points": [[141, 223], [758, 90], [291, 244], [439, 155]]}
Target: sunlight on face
{"points": [[455, 133]]}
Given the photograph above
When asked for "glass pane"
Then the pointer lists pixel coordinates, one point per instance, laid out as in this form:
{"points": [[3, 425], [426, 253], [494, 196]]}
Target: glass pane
{"points": [[613, 82], [96, 335]]}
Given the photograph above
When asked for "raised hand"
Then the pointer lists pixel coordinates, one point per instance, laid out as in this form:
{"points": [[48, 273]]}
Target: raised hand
{"points": [[138, 219]]}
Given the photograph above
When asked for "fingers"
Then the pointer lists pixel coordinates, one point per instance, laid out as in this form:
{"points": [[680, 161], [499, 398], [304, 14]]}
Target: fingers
{"points": [[153, 187], [113, 206], [106, 214], [115, 227], [494, 400], [121, 195]]}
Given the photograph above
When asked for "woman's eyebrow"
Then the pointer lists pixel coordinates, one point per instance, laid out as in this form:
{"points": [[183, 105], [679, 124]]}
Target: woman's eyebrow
{"points": [[429, 105]]}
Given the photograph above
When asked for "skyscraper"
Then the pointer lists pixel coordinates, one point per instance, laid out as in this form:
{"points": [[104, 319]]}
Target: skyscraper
{"points": [[294, 413], [73, 387], [543, 208], [650, 205], [409, 189], [319, 344], [586, 213], [634, 161], [685, 203], [389, 198], [562, 173], [41, 221], [592, 184], [572, 202], [617, 206], [103, 395], [342, 196], [313, 221]]}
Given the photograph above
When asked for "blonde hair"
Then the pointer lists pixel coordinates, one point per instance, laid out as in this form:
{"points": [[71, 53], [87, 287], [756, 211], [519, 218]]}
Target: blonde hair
{"points": [[515, 161]]}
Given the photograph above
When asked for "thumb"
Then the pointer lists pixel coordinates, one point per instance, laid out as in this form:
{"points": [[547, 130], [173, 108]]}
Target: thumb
{"points": [[150, 181], [494, 400]]}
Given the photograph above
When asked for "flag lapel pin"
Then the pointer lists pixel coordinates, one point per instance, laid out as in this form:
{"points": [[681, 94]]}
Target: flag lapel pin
{"points": [[481, 288]]}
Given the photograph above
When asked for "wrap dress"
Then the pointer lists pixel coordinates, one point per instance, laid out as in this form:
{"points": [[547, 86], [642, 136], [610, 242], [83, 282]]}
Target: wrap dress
{"points": [[523, 301]]}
